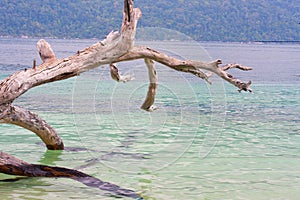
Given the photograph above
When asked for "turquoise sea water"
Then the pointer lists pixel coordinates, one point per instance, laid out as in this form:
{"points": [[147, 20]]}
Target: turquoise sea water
{"points": [[204, 142]]}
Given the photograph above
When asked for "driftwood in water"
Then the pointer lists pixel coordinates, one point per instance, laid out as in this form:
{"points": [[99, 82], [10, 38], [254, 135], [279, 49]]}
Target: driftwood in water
{"points": [[14, 166], [52, 69], [117, 47]]}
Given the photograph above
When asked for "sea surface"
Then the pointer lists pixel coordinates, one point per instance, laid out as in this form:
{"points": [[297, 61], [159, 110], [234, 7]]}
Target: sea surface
{"points": [[205, 142]]}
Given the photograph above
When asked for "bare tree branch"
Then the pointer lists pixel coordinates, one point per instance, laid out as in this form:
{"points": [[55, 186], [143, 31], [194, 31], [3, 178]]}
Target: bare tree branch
{"points": [[115, 75], [26, 119], [45, 51], [152, 89], [116, 47], [52, 69], [190, 66]]}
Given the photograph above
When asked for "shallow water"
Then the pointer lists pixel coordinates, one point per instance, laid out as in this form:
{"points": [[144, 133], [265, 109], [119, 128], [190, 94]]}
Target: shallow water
{"points": [[204, 142]]}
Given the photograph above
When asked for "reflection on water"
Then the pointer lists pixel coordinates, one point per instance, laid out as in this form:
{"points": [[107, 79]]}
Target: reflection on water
{"points": [[204, 142], [50, 157]]}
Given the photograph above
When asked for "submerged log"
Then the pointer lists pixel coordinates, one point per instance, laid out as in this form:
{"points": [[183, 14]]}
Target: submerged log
{"points": [[14, 166]]}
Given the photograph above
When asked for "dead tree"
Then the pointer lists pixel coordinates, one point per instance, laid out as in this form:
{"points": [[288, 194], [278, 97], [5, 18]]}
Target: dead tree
{"points": [[117, 47]]}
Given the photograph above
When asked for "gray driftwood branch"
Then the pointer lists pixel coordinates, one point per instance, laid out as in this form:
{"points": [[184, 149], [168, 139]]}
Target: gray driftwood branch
{"points": [[116, 47]]}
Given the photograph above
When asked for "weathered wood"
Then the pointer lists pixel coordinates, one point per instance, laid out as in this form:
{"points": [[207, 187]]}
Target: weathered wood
{"points": [[26, 119], [116, 47], [14, 166], [189, 66], [152, 89], [115, 75], [45, 51], [102, 53], [52, 69]]}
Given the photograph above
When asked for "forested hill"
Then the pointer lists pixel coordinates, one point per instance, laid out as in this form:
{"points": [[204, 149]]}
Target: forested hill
{"points": [[205, 20]]}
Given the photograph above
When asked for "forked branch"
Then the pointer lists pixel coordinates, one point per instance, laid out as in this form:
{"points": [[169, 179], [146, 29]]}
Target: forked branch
{"points": [[117, 47], [189, 66], [53, 69]]}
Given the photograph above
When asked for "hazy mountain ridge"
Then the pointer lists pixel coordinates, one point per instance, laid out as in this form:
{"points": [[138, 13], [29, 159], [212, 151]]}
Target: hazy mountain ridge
{"points": [[206, 20]]}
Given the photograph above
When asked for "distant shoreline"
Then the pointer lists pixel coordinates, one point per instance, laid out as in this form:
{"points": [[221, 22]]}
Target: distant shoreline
{"points": [[258, 41], [279, 41]]}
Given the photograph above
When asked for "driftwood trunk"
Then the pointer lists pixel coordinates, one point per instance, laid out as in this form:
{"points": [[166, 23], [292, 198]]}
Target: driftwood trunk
{"points": [[117, 47], [52, 69]]}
